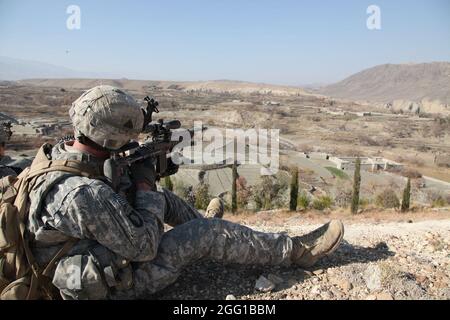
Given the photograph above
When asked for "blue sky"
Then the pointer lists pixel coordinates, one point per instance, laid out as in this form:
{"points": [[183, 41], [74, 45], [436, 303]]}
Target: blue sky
{"points": [[285, 41]]}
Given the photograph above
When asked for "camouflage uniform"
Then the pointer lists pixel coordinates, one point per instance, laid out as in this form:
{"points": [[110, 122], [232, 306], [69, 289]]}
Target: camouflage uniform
{"points": [[123, 251], [9, 166]]}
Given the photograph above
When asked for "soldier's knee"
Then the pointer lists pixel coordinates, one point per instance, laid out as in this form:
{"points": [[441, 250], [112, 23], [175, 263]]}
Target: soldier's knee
{"points": [[216, 224]]}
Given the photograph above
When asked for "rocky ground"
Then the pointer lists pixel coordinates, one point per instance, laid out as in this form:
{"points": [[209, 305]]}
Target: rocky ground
{"points": [[378, 260]]}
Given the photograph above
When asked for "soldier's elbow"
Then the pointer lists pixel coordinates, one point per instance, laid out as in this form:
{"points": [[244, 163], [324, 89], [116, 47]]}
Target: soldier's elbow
{"points": [[147, 253]]}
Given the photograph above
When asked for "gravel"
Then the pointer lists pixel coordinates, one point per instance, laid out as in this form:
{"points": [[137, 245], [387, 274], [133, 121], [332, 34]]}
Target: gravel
{"points": [[376, 261]]}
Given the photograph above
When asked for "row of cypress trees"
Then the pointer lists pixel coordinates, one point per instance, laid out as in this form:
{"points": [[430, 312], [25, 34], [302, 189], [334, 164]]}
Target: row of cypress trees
{"points": [[294, 189]]}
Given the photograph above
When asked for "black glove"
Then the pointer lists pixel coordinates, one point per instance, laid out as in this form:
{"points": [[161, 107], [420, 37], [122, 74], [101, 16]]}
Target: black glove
{"points": [[143, 172]]}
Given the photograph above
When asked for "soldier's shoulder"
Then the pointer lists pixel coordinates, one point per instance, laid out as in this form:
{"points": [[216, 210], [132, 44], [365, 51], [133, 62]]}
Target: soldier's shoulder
{"points": [[58, 185], [74, 182], [60, 189]]}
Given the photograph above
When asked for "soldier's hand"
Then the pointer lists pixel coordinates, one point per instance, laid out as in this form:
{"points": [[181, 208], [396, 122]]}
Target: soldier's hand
{"points": [[143, 174]]}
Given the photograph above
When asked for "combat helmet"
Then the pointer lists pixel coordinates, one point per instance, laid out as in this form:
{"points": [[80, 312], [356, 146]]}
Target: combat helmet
{"points": [[107, 116], [5, 132]]}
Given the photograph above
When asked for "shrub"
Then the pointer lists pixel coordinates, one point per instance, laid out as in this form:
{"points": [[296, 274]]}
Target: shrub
{"points": [[244, 192], [270, 193], [202, 197], [168, 183], [343, 197], [387, 199], [181, 189], [303, 200], [439, 202], [411, 174], [322, 203], [437, 199]]}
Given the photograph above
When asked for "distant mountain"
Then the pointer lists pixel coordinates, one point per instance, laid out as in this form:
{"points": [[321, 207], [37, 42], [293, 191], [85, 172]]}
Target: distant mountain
{"points": [[217, 86], [390, 82], [16, 69]]}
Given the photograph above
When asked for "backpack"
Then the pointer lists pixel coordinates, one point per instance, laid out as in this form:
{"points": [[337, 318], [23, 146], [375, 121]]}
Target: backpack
{"points": [[20, 276]]}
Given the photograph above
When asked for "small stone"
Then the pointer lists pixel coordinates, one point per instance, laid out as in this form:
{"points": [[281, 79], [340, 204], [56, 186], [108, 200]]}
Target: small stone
{"points": [[318, 271], [315, 290], [371, 297], [326, 295], [264, 285], [421, 279], [346, 285], [230, 297]]}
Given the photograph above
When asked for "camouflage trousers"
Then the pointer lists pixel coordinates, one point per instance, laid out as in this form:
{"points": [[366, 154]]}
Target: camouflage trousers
{"points": [[200, 238], [191, 239]]}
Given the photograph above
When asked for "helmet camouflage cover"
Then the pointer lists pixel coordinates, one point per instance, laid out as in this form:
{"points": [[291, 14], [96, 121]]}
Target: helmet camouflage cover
{"points": [[107, 116], [5, 131]]}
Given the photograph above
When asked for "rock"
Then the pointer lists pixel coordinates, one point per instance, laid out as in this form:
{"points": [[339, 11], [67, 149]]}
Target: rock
{"points": [[264, 285], [371, 297], [230, 297], [318, 271], [309, 273], [315, 290], [372, 277], [326, 295], [346, 286], [384, 296], [421, 279]]}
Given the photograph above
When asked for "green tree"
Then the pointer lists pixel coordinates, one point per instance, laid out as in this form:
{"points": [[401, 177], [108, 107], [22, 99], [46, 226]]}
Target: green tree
{"points": [[168, 183], [294, 190], [406, 196], [356, 186], [234, 177]]}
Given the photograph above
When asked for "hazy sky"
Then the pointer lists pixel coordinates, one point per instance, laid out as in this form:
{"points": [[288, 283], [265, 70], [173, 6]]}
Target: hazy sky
{"points": [[288, 42]]}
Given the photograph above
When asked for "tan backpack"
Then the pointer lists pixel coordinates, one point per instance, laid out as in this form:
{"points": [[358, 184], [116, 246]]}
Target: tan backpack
{"points": [[20, 276]]}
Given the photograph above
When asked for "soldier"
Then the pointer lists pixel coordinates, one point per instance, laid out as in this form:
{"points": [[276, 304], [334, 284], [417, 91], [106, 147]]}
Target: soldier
{"points": [[122, 250], [9, 166]]}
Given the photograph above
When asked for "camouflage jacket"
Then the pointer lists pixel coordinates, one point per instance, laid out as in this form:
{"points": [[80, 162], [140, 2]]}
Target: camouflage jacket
{"points": [[88, 209]]}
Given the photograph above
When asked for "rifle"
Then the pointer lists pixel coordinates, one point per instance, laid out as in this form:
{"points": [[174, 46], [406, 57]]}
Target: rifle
{"points": [[158, 145]]}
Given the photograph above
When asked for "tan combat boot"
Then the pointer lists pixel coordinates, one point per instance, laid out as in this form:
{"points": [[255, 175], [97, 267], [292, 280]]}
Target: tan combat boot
{"points": [[215, 209], [309, 248]]}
